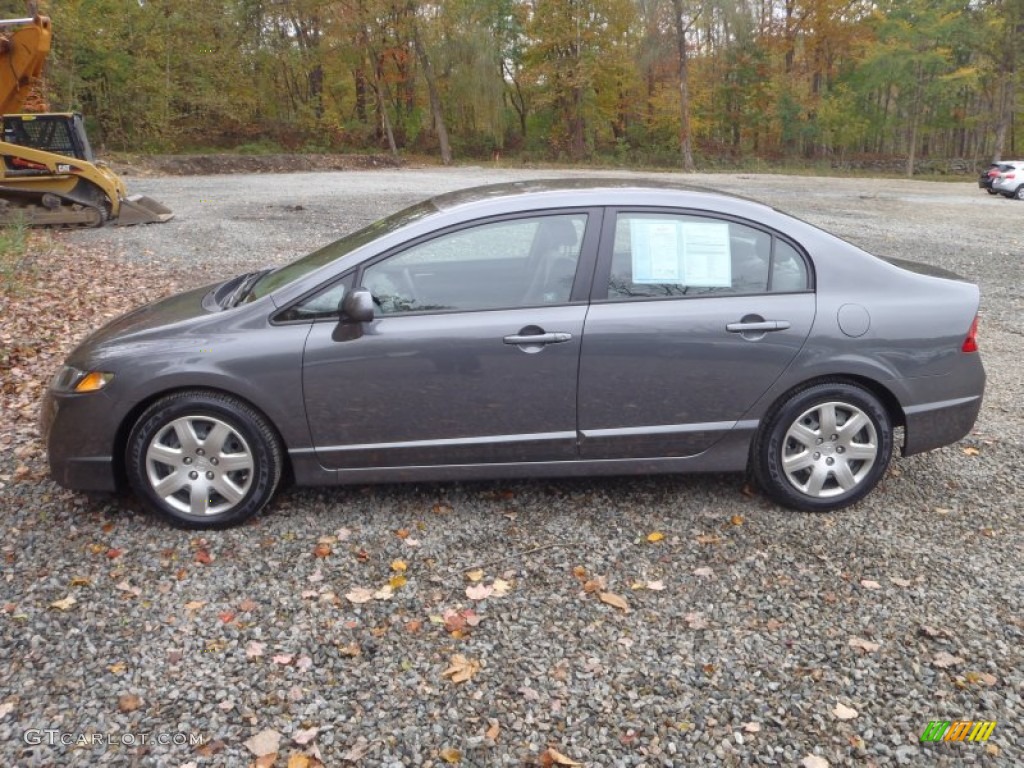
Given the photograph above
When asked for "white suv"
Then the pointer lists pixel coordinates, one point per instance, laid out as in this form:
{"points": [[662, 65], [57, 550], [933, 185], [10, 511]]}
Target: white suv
{"points": [[1010, 181]]}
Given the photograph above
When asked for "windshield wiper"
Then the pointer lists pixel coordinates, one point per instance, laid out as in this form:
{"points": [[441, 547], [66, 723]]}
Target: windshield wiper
{"points": [[242, 289]]}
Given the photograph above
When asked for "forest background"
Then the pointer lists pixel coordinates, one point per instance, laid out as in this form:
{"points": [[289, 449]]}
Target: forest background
{"points": [[897, 85]]}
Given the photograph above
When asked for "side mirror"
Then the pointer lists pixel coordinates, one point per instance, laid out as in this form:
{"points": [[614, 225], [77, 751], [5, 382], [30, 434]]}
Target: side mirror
{"points": [[357, 306]]}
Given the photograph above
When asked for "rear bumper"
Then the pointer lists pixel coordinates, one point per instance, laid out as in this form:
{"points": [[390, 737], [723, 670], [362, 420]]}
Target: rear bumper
{"points": [[78, 442], [933, 425]]}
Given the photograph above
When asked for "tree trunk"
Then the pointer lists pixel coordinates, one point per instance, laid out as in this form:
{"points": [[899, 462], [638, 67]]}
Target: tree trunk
{"points": [[435, 99], [685, 142]]}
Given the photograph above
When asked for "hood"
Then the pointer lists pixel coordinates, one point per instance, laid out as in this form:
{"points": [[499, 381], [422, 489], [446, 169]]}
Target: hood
{"points": [[172, 311]]}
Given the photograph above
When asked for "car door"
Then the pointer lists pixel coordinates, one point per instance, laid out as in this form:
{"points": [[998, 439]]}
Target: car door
{"points": [[693, 318], [472, 356]]}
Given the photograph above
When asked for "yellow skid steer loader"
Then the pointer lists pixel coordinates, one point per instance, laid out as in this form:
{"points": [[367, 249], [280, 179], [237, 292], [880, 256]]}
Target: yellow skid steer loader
{"points": [[48, 175]]}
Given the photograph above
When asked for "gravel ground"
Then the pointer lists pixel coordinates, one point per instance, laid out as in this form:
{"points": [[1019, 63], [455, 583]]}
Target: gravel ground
{"points": [[750, 632]]}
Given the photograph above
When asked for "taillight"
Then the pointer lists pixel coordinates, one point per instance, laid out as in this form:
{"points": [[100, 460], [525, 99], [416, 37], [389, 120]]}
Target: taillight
{"points": [[1009, 176], [971, 342]]}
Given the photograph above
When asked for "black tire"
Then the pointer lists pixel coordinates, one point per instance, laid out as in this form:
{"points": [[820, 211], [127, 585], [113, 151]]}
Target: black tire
{"points": [[801, 467], [992, 191], [217, 458], [1019, 194]]}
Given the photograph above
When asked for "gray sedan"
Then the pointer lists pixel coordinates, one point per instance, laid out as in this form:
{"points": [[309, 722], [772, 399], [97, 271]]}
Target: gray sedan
{"points": [[535, 329]]}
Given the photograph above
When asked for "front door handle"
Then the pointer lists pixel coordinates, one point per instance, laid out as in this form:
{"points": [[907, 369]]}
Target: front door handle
{"points": [[760, 326], [538, 338]]}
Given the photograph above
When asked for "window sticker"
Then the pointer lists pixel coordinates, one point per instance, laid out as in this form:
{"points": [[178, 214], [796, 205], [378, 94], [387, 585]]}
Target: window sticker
{"points": [[707, 258], [656, 249]]}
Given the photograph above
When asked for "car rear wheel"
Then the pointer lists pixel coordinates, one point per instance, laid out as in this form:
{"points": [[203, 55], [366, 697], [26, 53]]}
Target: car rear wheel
{"points": [[203, 459], [823, 448], [992, 191], [1019, 194]]}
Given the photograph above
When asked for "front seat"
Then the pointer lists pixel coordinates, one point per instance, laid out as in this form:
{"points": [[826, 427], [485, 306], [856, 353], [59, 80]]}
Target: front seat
{"points": [[551, 266]]}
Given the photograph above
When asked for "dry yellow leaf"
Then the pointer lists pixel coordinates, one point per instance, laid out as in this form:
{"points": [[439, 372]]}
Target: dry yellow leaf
{"points": [[461, 668], [118, 668], [501, 587], [298, 761], [63, 605], [80, 581], [475, 575], [451, 756], [614, 600], [397, 581], [655, 537], [554, 757], [399, 566], [494, 730], [194, 605], [736, 520], [971, 451], [579, 572]]}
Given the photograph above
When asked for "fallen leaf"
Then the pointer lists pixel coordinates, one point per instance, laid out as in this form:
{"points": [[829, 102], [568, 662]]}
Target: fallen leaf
{"points": [[384, 593], [128, 702], [992, 749], [461, 668], [844, 712], [614, 600], [282, 658], [118, 668], [402, 533], [359, 595], [813, 761], [413, 626], [397, 581], [399, 566], [655, 537], [247, 606], [7, 707], [351, 650], [475, 575], [254, 649], [981, 677], [322, 550], [656, 586], [266, 761], [864, 645], [752, 727], [479, 591], [593, 585], [554, 757], [901, 582], [63, 605], [579, 572], [194, 605], [226, 616], [304, 663], [204, 557], [357, 751], [451, 756], [944, 660], [971, 451], [303, 737], [298, 760], [736, 520], [80, 581], [342, 534], [493, 731], [113, 554], [704, 572], [696, 620], [708, 539], [266, 742], [501, 587], [869, 584]]}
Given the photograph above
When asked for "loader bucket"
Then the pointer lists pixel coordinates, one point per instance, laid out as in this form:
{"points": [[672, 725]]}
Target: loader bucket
{"points": [[139, 209]]}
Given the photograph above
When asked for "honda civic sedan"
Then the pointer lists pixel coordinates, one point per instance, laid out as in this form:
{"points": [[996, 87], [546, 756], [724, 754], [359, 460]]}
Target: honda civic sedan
{"points": [[534, 329]]}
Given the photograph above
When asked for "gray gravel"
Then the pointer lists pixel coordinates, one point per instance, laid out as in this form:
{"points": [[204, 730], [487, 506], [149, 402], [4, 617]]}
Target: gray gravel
{"points": [[741, 659]]}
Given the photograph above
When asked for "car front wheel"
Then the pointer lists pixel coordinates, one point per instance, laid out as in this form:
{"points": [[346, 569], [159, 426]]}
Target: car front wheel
{"points": [[203, 459], [823, 448]]}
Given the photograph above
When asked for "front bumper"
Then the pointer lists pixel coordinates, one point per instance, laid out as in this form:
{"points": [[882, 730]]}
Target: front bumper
{"points": [[79, 440]]}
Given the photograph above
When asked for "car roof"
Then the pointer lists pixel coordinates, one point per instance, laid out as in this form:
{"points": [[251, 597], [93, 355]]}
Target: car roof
{"points": [[567, 192]]}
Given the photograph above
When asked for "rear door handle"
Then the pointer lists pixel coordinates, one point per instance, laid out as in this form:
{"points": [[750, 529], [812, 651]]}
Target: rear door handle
{"points": [[761, 326], [538, 338]]}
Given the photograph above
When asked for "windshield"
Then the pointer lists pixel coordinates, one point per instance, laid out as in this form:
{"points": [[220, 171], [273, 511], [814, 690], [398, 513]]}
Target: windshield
{"points": [[289, 273]]}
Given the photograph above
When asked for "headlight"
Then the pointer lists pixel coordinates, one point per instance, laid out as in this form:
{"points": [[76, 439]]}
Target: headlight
{"points": [[70, 379]]}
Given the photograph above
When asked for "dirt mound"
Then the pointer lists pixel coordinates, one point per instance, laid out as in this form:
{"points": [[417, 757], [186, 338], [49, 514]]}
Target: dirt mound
{"points": [[193, 165]]}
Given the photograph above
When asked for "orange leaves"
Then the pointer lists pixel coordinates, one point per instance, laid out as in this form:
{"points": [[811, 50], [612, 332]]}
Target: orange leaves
{"points": [[322, 550], [461, 669], [616, 601]]}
